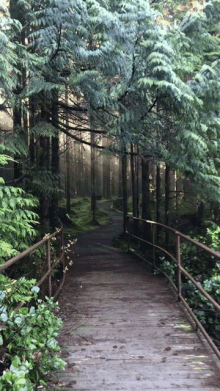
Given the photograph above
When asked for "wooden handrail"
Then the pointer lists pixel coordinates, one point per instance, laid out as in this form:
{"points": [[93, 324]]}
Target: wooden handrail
{"points": [[181, 270], [47, 239], [28, 251], [198, 244]]}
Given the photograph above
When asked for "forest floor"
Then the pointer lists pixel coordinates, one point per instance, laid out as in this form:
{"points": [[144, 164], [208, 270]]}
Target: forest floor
{"points": [[123, 328], [81, 216]]}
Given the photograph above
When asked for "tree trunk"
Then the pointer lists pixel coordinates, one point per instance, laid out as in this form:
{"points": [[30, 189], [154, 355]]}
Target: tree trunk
{"points": [[54, 210], [113, 177], [24, 108], [98, 171], [167, 202], [124, 190], [93, 190], [106, 174], [146, 214], [120, 190], [33, 104], [158, 201], [68, 196], [44, 201], [108, 177], [133, 181], [137, 182], [15, 13], [17, 123]]}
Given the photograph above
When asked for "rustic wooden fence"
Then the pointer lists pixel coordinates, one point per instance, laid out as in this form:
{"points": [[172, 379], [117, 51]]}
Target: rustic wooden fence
{"points": [[51, 264], [180, 269]]}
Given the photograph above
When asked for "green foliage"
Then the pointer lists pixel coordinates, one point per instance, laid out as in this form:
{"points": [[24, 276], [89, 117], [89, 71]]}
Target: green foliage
{"points": [[200, 264], [8, 56], [16, 291], [28, 343], [144, 81], [203, 308], [29, 339], [168, 268], [17, 219]]}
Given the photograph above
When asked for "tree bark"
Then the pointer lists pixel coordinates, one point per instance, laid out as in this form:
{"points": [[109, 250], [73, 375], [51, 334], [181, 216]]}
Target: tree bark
{"points": [[33, 104], [158, 201], [146, 213], [133, 181], [93, 189], [167, 202], [137, 183], [120, 190], [54, 210], [68, 195], [106, 174], [17, 112], [124, 190], [17, 123], [44, 201]]}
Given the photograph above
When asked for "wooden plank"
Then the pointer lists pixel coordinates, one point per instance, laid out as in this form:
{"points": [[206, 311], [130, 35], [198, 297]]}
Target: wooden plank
{"points": [[123, 328]]}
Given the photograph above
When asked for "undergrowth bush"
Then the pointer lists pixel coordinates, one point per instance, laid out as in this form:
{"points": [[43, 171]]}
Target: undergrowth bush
{"points": [[28, 346], [28, 340]]}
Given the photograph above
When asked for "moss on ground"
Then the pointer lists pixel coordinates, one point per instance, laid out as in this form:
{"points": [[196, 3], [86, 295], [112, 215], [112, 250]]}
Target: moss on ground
{"points": [[81, 217]]}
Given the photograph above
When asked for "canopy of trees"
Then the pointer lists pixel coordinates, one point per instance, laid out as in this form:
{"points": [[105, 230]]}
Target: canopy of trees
{"points": [[134, 79], [107, 98]]}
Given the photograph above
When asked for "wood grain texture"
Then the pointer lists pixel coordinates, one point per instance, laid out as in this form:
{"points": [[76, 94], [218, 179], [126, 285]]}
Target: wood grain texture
{"points": [[123, 327]]}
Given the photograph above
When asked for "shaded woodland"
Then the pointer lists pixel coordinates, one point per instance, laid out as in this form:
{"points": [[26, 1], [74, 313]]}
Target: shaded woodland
{"points": [[109, 100]]}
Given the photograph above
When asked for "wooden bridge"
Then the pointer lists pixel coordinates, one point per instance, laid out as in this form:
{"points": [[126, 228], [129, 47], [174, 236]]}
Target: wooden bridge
{"points": [[123, 326]]}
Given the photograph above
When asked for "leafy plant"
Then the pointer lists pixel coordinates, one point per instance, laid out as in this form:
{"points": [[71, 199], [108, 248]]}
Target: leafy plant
{"points": [[168, 268], [28, 346], [29, 340], [17, 217]]}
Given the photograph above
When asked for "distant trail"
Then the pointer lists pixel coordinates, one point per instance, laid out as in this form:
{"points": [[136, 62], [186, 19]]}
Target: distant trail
{"points": [[123, 328]]}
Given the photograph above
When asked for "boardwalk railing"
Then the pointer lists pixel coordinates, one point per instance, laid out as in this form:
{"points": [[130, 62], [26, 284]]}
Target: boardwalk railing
{"points": [[180, 269], [51, 265]]}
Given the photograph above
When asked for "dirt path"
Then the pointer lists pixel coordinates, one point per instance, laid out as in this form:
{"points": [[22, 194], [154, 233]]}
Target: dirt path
{"points": [[123, 328]]}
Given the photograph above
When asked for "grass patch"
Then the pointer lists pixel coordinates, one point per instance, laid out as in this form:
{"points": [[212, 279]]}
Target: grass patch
{"points": [[104, 200], [81, 217]]}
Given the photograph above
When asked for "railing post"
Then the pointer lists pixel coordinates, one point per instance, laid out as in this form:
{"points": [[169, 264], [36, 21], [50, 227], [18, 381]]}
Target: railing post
{"points": [[153, 241], [49, 266], [178, 258]]}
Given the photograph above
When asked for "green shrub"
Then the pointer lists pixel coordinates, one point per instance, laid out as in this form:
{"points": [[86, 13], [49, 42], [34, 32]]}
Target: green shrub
{"points": [[28, 339], [28, 346]]}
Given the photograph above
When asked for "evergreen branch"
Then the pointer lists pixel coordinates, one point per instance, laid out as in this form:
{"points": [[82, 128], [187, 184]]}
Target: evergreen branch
{"points": [[153, 105], [79, 140], [15, 181], [80, 129], [58, 44], [71, 108]]}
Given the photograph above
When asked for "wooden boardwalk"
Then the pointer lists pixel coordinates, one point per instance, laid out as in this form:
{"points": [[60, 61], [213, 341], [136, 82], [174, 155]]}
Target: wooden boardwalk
{"points": [[123, 328]]}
